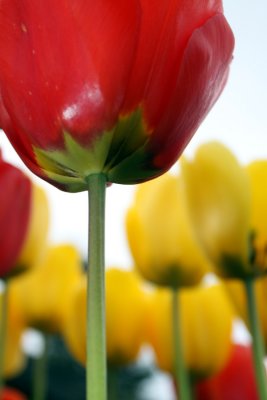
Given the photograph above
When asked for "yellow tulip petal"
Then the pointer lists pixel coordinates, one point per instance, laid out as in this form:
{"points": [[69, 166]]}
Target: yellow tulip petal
{"points": [[257, 172], [74, 329], [261, 298], [161, 238], [139, 243], [206, 325], [126, 303], [125, 318], [14, 358], [218, 194], [36, 240], [45, 291]]}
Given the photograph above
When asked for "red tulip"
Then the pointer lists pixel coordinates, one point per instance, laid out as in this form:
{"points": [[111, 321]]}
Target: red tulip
{"points": [[113, 86], [235, 382], [11, 394], [15, 204]]}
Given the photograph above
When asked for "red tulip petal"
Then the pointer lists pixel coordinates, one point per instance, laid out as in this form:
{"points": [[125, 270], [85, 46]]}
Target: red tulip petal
{"points": [[19, 142], [165, 30], [15, 204], [236, 381], [11, 394], [78, 82], [83, 66], [202, 76]]}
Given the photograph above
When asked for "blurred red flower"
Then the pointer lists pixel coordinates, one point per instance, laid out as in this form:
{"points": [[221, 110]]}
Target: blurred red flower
{"points": [[235, 382], [12, 394], [15, 205]]}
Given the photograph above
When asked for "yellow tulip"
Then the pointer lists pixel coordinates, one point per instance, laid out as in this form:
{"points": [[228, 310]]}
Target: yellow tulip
{"points": [[35, 244], [126, 303], [45, 292], [257, 172], [206, 316], [126, 306], [14, 358], [74, 329], [219, 199], [161, 237]]}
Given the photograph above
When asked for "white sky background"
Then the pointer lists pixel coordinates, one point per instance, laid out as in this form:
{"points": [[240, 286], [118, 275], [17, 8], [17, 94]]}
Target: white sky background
{"points": [[239, 119]]}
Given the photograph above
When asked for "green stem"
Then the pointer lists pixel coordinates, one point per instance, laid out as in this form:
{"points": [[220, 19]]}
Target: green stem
{"points": [[40, 371], [96, 368], [3, 332], [181, 373], [257, 344]]}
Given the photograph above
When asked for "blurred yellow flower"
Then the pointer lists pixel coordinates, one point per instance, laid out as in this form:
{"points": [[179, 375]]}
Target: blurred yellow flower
{"points": [[257, 172], [14, 358], [206, 316], [34, 247], [74, 329], [219, 199], [126, 303], [44, 293], [161, 237]]}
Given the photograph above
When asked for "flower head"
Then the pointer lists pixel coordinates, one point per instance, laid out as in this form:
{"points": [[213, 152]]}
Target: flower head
{"points": [[227, 207], [15, 208], [257, 173], [44, 293], [164, 245], [126, 310], [24, 218], [118, 88], [218, 197]]}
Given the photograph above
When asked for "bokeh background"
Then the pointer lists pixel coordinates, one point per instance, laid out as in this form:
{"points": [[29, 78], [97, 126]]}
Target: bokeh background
{"points": [[239, 120]]}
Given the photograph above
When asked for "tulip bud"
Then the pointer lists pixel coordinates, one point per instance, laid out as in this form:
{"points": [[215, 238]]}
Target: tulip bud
{"points": [[15, 209], [44, 294], [219, 202], [257, 173], [162, 240], [90, 87], [126, 304]]}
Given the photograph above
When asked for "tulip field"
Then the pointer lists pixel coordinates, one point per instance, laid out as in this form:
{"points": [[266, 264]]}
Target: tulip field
{"points": [[133, 200]]}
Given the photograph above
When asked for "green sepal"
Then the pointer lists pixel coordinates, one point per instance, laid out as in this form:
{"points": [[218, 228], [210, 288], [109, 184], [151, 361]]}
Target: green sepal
{"points": [[72, 165], [232, 267], [121, 153]]}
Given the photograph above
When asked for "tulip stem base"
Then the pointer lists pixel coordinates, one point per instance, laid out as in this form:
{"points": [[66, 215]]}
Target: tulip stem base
{"points": [[257, 343], [96, 365], [40, 371], [181, 373], [3, 331]]}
